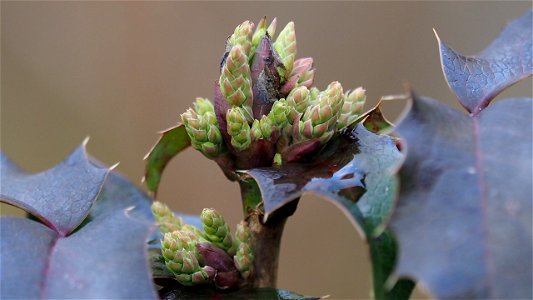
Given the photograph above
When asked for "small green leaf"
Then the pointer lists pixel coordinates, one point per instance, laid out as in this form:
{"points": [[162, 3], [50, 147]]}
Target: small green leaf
{"points": [[171, 142]]}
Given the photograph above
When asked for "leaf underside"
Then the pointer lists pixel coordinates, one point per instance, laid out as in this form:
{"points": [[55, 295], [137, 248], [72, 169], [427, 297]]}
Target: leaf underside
{"points": [[171, 142], [355, 172], [105, 257], [476, 80]]}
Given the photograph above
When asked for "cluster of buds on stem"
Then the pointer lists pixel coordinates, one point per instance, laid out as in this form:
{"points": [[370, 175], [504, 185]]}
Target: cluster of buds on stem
{"points": [[266, 110], [212, 256]]}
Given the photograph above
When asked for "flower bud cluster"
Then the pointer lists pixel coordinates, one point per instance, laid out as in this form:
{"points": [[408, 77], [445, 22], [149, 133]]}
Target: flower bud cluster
{"points": [[212, 256], [266, 108]]}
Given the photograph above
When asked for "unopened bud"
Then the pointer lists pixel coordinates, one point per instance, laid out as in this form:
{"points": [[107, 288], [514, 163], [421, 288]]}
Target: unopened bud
{"points": [[242, 36], [238, 128], [285, 46], [352, 108]]}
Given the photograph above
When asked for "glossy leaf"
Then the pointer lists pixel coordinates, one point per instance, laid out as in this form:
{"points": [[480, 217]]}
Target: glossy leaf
{"points": [[355, 172], [376, 122], [61, 197], [207, 293], [105, 257], [477, 79], [171, 142], [464, 215]]}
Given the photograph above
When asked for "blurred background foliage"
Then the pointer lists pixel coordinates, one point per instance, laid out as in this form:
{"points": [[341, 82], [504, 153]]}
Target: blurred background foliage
{"points": [[119, 72]]}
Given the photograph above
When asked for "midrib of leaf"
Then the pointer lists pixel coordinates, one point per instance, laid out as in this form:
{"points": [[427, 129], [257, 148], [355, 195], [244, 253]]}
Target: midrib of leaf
{"points": [[483, 202], [44, 283]]}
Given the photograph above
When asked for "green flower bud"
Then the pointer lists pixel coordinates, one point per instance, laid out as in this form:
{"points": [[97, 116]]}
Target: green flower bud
{"points": [[202, 128], [187, 270], [272, 27], [298, 100], [313, 95], [181, 258], [319, 121], [203, 106], [244, 258], [242, 36], [266, 126], [279, 113], [193, 230], [261, 129], [178, 240], [236, 81], [255, 131], [216, 229], [261, 30], [242, 233], [285, 46], [259, 33], [169, 224], [165, 218], [238, 128], [352, 108], [278, 160]]}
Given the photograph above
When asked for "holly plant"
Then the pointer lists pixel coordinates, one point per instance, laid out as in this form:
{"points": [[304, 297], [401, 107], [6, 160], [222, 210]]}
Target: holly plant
{"points": [[442, 199]]}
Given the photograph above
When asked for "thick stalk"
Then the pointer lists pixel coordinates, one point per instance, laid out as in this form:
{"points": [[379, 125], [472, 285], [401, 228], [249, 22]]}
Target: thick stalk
{"points": [[266, 237]]}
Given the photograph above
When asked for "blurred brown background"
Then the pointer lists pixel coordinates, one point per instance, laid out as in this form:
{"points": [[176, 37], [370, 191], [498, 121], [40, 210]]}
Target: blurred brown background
{"points": [[120, 71]]}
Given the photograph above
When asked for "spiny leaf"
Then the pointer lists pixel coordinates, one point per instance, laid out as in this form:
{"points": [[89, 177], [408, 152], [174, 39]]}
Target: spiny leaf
{"points": [[464, 215], [104, 258], [171, 142], [355, 172], [477, 79], [61, 197]]}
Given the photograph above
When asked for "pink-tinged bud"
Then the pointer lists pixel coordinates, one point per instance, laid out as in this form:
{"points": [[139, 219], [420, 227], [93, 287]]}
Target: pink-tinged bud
{"points": [[221, 107], [352, 108], [226, 281], [301, 151], [260, 32], [307, 79], [272, 27], [285, 46], [243, 36], [302, 74], [215, 257], [301, 65], [265, 78]]}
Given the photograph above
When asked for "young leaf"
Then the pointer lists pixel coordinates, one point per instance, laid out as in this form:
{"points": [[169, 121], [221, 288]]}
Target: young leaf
{"points": [[464, 215], [61, 197], [105, 257], [171, 142], [355, 172], [476, 80]]}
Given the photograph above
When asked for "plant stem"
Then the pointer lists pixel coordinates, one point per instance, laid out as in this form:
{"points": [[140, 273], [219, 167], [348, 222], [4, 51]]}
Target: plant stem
{"points": [[266, 239]]}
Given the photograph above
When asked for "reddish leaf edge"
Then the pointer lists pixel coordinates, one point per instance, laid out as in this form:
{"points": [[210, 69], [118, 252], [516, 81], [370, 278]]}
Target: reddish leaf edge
{"points": [[152, 190]]}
